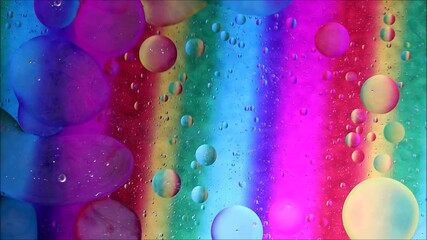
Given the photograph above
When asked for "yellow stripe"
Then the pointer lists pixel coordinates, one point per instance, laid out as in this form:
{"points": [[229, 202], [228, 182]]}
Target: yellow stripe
{"points": [[387, 63], [163, 155]]}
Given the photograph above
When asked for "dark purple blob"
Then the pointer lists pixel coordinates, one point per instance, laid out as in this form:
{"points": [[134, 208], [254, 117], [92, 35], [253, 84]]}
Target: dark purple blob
{"points": [[107, 219]]}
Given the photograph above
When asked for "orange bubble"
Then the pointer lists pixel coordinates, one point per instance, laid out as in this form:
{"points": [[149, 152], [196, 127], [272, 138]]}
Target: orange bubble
{"points": [[157, 53]]}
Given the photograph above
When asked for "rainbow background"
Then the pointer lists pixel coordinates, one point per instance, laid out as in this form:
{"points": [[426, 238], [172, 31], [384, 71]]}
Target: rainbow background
{"points": [[248, 103]]}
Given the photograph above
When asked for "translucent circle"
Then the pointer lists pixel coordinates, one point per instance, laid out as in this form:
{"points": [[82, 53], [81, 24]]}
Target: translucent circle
{"points": [[380, 208], [357, 156], [195, 165], [370, 137], [237, 222], [182, 77], [175, 88], [291, 22], [358, 116], [206, 154], [389, 19], [240, 19], [332, 39], [405, 55], [166, 183], [187, 121], [194, 47], [285, 216], [119, 26], [394, 132], [379, 94], [387, 34], [53, 80], [216, 27], [383, 163], [157, 53], [62, 178], [199, 194], [224, 36], [54, 15], [353, 139], [164, 98], [351, 76], [107, 219]]}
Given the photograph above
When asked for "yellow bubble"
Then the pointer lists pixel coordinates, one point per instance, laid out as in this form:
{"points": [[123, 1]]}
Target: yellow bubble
{"points": [[383, 163], [370, 137], [380, 208], [175, 88], [394, 132], [379, 94]]}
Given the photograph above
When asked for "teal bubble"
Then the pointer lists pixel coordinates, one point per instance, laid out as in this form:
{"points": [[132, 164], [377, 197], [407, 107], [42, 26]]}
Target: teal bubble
{"points": [[187, 121], [199, 194], [240, 19], [216, 27], [224, 36], [206, 154]]}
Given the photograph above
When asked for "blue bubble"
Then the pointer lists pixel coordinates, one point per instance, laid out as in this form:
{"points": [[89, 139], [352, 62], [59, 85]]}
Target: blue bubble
{"points": [[56, 13]]}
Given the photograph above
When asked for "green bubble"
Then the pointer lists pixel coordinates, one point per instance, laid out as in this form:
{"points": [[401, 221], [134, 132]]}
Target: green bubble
{"points": [[394, 132]]}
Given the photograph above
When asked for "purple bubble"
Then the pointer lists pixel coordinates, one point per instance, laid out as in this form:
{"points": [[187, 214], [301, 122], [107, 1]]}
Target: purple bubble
{"points": [[108, 219], [57, 83], [119, 26]]}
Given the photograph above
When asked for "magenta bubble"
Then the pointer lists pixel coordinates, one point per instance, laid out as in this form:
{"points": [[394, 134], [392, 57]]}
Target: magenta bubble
{"points": [[118, 26], [107, 219], [332, 39]]}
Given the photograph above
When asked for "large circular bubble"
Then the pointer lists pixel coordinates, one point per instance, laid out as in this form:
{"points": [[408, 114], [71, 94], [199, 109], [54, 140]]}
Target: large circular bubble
{"points": [[194, 47], [199, 194], [380, 208], [383, 163], [237, 222], [187, 121], [394, 132], [57, 82], [166, 183], [206, 154], [379, 94], [332, 39], [353, 139], [56, 13], [107, 219], [109, 27], [157, 53]]}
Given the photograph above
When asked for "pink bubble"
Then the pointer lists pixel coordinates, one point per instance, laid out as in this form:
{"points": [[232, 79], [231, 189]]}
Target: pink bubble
{"points": [[157, 53], [107, 219], [118, 26], [332, 39]]}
